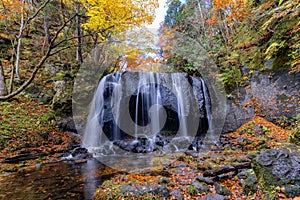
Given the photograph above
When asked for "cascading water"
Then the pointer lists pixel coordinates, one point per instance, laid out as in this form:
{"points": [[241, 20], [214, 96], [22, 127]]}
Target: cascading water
{"points": [[145, 112]]}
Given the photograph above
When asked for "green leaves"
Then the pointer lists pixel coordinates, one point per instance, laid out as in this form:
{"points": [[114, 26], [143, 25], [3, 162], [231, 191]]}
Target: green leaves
{"points": [[280, 2]]}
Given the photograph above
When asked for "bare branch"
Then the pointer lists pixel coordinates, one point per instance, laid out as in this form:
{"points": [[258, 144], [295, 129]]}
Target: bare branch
{"points": [[61, 49], [39, 65], [37, 11], [60, 30], [68, 39]]}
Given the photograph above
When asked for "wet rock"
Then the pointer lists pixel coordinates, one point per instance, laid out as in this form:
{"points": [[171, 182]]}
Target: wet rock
{"points": [[222, 190], [160, 141], [177, 195], [67, 125], [162, 191], [196, 144], [202, 179], [277, 168], [249, 185], [168, 100], [80, 153], [164, 181], [79, 150], [213, 197], [126, 190], [201, 188], [154, 189], [140, 145], [292, 191]]}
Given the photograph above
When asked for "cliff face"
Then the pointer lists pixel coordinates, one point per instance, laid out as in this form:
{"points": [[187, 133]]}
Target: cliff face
{"points": [[272, 95]]}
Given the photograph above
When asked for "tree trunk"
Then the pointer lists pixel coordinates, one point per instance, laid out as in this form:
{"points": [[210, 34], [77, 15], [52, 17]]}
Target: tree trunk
{"points": [[46, 29], [19, 43], [78, 34], [3, 89]]}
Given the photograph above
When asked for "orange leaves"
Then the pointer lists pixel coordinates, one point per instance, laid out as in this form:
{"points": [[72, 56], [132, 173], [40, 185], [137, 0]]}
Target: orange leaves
{"points": [[231, 9], [11, 9], [142, 63], [212, 20]]}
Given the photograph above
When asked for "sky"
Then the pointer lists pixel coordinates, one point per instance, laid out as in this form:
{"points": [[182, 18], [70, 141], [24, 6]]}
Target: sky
{"points": [[159, 14]]}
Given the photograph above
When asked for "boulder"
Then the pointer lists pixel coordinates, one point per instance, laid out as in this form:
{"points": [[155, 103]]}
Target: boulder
{"points": [[278, 168]]}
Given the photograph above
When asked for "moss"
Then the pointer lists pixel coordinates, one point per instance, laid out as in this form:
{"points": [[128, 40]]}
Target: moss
{"points": [[295, 136], [192, 190], [281, 62], [108, 191]]}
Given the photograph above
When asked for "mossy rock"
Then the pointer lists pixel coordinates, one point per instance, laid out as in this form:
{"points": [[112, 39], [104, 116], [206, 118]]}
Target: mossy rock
{"points": [[277, 168], [295, 136]]}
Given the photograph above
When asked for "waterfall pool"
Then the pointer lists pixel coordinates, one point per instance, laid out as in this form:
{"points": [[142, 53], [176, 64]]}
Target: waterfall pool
{"points": [[61, 180]]}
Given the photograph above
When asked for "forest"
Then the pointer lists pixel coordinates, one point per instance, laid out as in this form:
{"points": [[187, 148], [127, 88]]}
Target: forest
{"points": [[54, 54]]}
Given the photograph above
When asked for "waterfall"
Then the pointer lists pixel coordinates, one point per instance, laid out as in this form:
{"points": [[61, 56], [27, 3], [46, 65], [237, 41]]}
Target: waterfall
{"points": [[145, 111], [207, 103]]}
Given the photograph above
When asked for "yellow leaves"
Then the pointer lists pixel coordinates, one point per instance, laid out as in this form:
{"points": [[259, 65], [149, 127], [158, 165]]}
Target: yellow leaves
{"points": [[68, 3], [273, 48], [3, 35], [10, 10], [118, 15]]}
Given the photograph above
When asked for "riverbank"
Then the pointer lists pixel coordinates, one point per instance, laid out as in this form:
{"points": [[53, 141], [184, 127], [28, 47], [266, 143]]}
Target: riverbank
{"points": [[29, 134]]}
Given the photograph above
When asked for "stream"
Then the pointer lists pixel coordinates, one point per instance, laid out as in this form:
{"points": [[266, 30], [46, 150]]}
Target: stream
{"points": [[62, 180]]}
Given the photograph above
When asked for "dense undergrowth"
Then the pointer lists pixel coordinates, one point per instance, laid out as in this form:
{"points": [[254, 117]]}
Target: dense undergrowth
{"points": [[267, 40], [28, 128]]}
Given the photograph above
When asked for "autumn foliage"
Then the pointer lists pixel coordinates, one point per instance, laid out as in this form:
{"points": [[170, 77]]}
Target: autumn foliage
{"points": [[230, 10], [118, 15]]}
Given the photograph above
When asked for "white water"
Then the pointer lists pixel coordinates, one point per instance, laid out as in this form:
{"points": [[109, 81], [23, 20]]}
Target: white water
{"points": [[146, 88]]}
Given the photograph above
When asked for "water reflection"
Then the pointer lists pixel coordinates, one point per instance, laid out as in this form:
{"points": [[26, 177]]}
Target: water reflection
{"points": [[90, 185], [56, 181]]}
